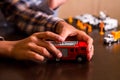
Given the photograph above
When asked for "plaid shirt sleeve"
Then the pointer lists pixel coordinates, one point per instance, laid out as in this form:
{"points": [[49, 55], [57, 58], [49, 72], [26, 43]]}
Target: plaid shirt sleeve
{"points": [[27, 19]]}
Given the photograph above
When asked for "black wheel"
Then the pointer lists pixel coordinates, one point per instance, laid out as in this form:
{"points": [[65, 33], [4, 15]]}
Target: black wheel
{"points": [[110, 43], [57, 60], [81, 58]]}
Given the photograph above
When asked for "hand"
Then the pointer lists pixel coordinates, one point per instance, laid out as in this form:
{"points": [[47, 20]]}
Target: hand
{"points": [[68, 32], [36, 47], [53, 4]]}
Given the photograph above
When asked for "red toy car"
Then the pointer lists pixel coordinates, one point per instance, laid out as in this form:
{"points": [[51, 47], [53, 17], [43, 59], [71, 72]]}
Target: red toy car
{"points": [[73, 50]]}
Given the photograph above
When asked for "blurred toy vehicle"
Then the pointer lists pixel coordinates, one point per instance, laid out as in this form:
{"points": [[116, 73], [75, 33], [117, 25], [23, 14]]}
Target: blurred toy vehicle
{"points": [[88, 18], [109, 39], [109, 23], [113, 37], [73, 50]]}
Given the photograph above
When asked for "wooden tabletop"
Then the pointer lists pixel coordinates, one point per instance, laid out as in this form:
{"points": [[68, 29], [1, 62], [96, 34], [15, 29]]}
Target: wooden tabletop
{"points": [[105, 64]]}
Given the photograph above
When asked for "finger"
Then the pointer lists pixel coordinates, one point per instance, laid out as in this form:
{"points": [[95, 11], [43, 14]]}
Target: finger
{"points": [[51, 48], [90, 43], [34, 56], [64, 29], [64, 34], [49, 35], [91, 53], [83, 36], [40, 50]]}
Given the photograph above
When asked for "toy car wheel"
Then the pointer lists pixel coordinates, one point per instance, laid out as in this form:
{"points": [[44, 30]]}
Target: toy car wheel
{"points": [[57, 59], [105, 42], [79, 59], [110, 42]]}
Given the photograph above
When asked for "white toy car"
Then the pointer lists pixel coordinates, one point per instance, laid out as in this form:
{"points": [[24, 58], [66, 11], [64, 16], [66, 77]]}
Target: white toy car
{"points": [[109, 39], [88, 18], [110, 23]]}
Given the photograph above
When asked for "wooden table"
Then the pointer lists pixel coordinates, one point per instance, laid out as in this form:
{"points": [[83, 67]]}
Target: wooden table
{"points": [[105, 64]]}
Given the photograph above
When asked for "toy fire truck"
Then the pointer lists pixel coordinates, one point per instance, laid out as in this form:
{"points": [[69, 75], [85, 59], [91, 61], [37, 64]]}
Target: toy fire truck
{"points": [[73, 50]]}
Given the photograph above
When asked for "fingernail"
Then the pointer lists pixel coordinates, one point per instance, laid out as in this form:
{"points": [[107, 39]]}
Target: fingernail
{"points": [[40, 58], [90, 48], [59, 55]]}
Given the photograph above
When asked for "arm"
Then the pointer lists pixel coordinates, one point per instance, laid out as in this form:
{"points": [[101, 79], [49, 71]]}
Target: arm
{"points": [[49, 6], [41, 5], [29, 20], [35, 47], [46, 6]]}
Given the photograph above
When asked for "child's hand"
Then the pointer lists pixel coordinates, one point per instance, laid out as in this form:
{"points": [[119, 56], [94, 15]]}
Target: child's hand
{"points": [[36, 47], [68, 31]]}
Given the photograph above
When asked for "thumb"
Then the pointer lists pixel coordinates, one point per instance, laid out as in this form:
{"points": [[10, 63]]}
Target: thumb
{"points": [[64, 35]]}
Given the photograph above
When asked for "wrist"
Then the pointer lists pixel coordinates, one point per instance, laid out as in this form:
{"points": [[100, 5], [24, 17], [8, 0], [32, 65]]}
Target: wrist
{"points": [[59, 26], [5, 49]]}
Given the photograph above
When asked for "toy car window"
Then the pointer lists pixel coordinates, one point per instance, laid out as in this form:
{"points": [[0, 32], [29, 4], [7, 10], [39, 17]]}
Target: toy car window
{"points": [[83, 48], [71, 50], [64, 52]]}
